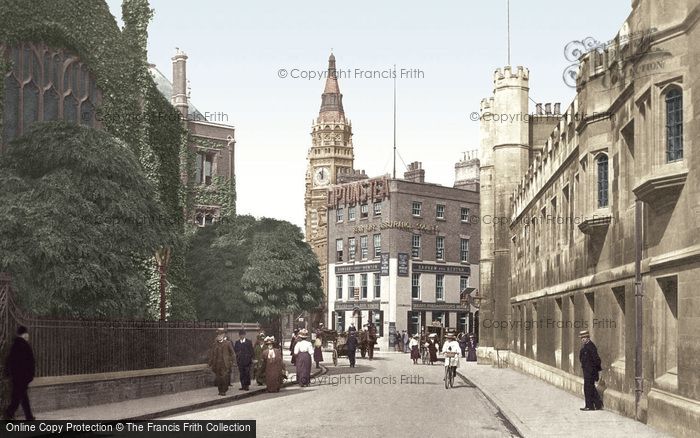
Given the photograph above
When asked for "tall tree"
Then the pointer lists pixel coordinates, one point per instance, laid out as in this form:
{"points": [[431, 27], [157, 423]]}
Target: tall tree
{"points": [[282, 274], [78, 218]]}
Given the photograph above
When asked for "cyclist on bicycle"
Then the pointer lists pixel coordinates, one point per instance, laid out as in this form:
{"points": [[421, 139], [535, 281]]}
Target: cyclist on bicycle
{"points": [[451, 346]]}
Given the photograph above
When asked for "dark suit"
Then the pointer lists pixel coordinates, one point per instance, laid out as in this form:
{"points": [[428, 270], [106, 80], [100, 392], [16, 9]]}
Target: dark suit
{"points": [[20, 369], [590, 363], [352, 348], [244, 359]]}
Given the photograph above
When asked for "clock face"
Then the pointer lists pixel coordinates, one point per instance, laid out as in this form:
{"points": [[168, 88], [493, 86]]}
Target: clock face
{"points": [[322, 176]]}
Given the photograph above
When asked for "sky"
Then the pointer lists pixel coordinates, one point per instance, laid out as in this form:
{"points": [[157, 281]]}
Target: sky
{"points": [[237, 50]]}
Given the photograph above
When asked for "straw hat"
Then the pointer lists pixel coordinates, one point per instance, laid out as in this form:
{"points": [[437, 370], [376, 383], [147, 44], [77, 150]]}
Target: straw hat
{"points": [[450, 335], [584, 334], [432, 335], [303, 333], [270, 340]]}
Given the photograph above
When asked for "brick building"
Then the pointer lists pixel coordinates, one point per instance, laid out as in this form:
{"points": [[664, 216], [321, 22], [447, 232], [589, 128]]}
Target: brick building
{"points": [[211, 142], [401, 251]]}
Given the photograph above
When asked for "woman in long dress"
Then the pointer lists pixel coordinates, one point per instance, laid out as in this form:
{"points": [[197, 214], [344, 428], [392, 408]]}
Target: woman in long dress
{"points": [[471, 348], [432, 348], [272, 365], [318, 343], [303, 350], [415, 351]]}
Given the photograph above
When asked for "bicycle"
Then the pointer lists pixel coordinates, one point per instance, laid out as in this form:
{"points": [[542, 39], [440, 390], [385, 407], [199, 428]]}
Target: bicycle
{"points": [[450, 361]]}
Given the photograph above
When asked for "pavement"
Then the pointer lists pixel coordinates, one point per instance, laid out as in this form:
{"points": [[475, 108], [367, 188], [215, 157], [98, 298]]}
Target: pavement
{"points": [[148, 408], [537, 409]]}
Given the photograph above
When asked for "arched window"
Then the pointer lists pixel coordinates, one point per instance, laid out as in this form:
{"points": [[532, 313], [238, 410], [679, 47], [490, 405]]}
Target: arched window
{"points": [[602, 162], [46, 84], [674, 125]]}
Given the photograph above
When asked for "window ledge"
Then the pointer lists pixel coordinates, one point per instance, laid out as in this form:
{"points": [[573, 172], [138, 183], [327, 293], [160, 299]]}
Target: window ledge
{"points": [[659, 187], [596, 224]]}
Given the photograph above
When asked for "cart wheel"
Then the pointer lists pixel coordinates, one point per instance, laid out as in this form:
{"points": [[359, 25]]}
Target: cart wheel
{"points": [[448, 373], [335, 358]]}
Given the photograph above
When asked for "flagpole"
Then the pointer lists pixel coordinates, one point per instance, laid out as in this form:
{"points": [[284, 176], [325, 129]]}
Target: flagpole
{"points": [[508, 14], [394, 121]]}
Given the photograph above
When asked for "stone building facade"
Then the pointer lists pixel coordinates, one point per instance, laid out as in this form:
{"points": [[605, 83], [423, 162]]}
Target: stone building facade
{"points": [[596, 224], [330, 160], [212, 143], [401, 252]]}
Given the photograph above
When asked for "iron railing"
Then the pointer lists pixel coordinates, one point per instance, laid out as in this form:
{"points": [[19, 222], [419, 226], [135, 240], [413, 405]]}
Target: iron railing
{"points": [[79, 346]]}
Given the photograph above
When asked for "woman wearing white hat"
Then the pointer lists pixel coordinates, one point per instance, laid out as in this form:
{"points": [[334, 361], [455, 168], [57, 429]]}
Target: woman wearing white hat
{"points": [[272, 365], [303, 350], [413, 346], [432, 347]]}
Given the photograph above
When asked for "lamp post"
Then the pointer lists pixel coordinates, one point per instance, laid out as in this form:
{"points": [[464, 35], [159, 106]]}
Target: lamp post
{"points": [[162, 255]]}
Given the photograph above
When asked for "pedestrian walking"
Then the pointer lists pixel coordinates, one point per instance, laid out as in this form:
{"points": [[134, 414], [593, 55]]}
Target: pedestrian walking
{"points": [[406, 339], [244, 359], [318, 343], [352, 328], [20, 368], [432, 347], [221, 361], [415, 350], [471, 348], [258, 372], [462, 340], [351, 346], [303, 350], [272, 365], [292, 343], [590, 362]]}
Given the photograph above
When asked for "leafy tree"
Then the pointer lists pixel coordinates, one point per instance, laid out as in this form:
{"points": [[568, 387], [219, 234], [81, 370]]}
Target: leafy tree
{"points": [[77, 221], [247, 269]]}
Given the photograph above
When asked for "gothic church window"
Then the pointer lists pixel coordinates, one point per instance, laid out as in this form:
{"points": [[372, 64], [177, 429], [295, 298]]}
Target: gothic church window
{"points": [[46, 84]]}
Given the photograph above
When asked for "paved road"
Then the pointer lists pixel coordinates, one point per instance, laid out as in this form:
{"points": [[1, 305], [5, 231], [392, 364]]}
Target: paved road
{"points": [[387, 397]]}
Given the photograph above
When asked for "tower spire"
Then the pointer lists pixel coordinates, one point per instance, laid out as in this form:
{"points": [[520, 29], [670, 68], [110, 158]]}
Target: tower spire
{"points": [[332, 99]]}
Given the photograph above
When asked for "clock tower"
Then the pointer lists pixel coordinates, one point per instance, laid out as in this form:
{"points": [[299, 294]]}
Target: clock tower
{"points": [[330, 159]]}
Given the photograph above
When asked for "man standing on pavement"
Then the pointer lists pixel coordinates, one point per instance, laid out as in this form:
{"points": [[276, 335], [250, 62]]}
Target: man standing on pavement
{"points": [[590, 362], [244, 358], [221, 361], [20, 368], [405, 339], [352, 347]]}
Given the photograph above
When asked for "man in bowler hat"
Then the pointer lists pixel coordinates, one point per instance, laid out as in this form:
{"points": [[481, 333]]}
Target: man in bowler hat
{"points": [[590, 362], [20, 368], [244, 358]]}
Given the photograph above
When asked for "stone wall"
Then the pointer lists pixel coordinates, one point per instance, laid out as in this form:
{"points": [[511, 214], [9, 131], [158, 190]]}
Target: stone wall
{"points": [[64, 392]]}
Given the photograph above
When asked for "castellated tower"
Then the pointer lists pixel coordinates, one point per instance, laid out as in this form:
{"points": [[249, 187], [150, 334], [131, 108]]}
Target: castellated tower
{"points": [[330, 159], [505, 159]]}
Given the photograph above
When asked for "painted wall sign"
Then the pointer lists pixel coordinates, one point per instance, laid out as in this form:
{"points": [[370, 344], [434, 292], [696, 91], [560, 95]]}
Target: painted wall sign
{"points": [[375, 189], [438, 307], [384, 262], [441, 269], [362, 305], [403, 265], [353, 269]]}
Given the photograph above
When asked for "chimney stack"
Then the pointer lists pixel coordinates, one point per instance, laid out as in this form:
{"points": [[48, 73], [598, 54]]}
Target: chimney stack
{"points": [[557, 108], [179, 98], [415, 172], [548, 108], [539, 109]]}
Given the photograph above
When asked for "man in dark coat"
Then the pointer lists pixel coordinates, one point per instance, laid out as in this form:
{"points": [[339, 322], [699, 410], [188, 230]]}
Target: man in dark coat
{"points": [[244, 358], [221, 361], [20, 369], [590, 362], [352, 347]]}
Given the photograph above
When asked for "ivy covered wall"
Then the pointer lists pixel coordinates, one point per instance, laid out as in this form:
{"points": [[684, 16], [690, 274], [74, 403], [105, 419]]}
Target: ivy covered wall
{"points": [[132, 109]]}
